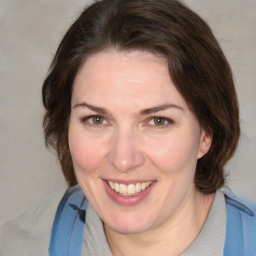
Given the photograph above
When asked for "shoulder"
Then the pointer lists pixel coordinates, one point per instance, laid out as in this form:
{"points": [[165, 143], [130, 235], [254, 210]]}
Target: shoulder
{"points": [[31, 231]]}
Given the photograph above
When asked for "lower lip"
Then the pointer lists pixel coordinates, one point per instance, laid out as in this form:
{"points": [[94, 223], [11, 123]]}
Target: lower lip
{"points": [[127, 200]]}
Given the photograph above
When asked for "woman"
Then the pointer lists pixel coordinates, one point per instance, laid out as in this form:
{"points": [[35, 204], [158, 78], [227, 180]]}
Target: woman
{"points": [[142, 111]]}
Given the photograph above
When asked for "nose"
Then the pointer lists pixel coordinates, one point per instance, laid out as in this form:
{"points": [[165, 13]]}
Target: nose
{"points": [[125, 154]]}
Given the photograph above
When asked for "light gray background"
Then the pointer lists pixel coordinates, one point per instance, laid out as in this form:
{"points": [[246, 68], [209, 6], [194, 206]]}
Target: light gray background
{"points": [[30, 32]]}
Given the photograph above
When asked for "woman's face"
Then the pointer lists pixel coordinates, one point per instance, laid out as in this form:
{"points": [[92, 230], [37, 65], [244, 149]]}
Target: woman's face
{"points": [[133, 140]]}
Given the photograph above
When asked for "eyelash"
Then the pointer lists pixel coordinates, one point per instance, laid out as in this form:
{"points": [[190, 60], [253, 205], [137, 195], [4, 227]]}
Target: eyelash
{"points": [[91, 124], [167, 121]]}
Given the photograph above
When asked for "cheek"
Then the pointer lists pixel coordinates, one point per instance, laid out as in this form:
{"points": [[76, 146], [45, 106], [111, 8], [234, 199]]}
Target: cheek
{"points": [[87, 153], [174, 154]]}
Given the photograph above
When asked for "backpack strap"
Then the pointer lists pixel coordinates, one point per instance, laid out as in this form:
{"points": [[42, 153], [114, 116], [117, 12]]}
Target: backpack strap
{"points": [[68, 226], [240, 229]]}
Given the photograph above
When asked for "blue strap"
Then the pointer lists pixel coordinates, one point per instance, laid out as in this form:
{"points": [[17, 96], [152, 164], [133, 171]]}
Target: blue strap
{"points": [[240, 230], [68, 226], [234, 235]]}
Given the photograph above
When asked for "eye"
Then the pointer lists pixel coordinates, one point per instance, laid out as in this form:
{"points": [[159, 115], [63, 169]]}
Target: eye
{"points": [[94, 120], [160, 121]]}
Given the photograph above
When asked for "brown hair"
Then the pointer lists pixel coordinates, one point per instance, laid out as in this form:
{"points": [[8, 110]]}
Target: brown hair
{"points": [[196, 62]]}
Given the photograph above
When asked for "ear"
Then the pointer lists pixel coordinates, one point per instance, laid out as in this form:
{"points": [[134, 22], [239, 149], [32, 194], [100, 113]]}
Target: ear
{"points": [[205, 144]]}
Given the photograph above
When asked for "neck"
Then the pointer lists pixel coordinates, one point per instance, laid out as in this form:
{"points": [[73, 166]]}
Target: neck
{"points": [[171, 238]]}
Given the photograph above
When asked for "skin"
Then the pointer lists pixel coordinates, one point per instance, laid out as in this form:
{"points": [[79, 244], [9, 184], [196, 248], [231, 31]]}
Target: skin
{"points": [[127, 145]]}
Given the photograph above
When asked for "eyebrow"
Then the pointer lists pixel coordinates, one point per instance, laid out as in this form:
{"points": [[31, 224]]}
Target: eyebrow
{"points": [[159, 108], [93, 108], [146, 111]]}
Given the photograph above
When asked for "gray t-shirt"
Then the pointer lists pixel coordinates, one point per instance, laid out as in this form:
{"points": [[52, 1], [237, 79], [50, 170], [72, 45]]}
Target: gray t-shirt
{"points": [[29, 234], [210, 240]]}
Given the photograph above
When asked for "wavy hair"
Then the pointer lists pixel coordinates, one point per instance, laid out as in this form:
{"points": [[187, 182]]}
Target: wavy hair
{"points": [[196, 63]]}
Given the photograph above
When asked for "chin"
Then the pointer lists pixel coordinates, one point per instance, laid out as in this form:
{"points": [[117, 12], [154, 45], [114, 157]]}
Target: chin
{"points": [[126, 230], [129, 224]]}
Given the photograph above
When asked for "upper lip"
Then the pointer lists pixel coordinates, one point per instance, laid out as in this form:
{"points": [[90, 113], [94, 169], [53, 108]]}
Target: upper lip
{"points": [[127, 182]]}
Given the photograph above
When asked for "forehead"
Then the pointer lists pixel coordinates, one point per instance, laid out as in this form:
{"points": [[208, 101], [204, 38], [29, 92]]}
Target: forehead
{"points": [[126, 76], [113, 64]]}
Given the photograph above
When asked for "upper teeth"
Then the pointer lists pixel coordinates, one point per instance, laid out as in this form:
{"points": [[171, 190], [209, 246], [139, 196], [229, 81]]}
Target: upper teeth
{"points": [[130, 189]]}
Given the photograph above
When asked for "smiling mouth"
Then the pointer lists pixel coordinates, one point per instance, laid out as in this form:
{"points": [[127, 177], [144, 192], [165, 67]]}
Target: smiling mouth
{"points": [[130, 189]]}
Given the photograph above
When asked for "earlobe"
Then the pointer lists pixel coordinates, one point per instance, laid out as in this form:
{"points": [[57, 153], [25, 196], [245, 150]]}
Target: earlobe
{"points": [[205, 144]]}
